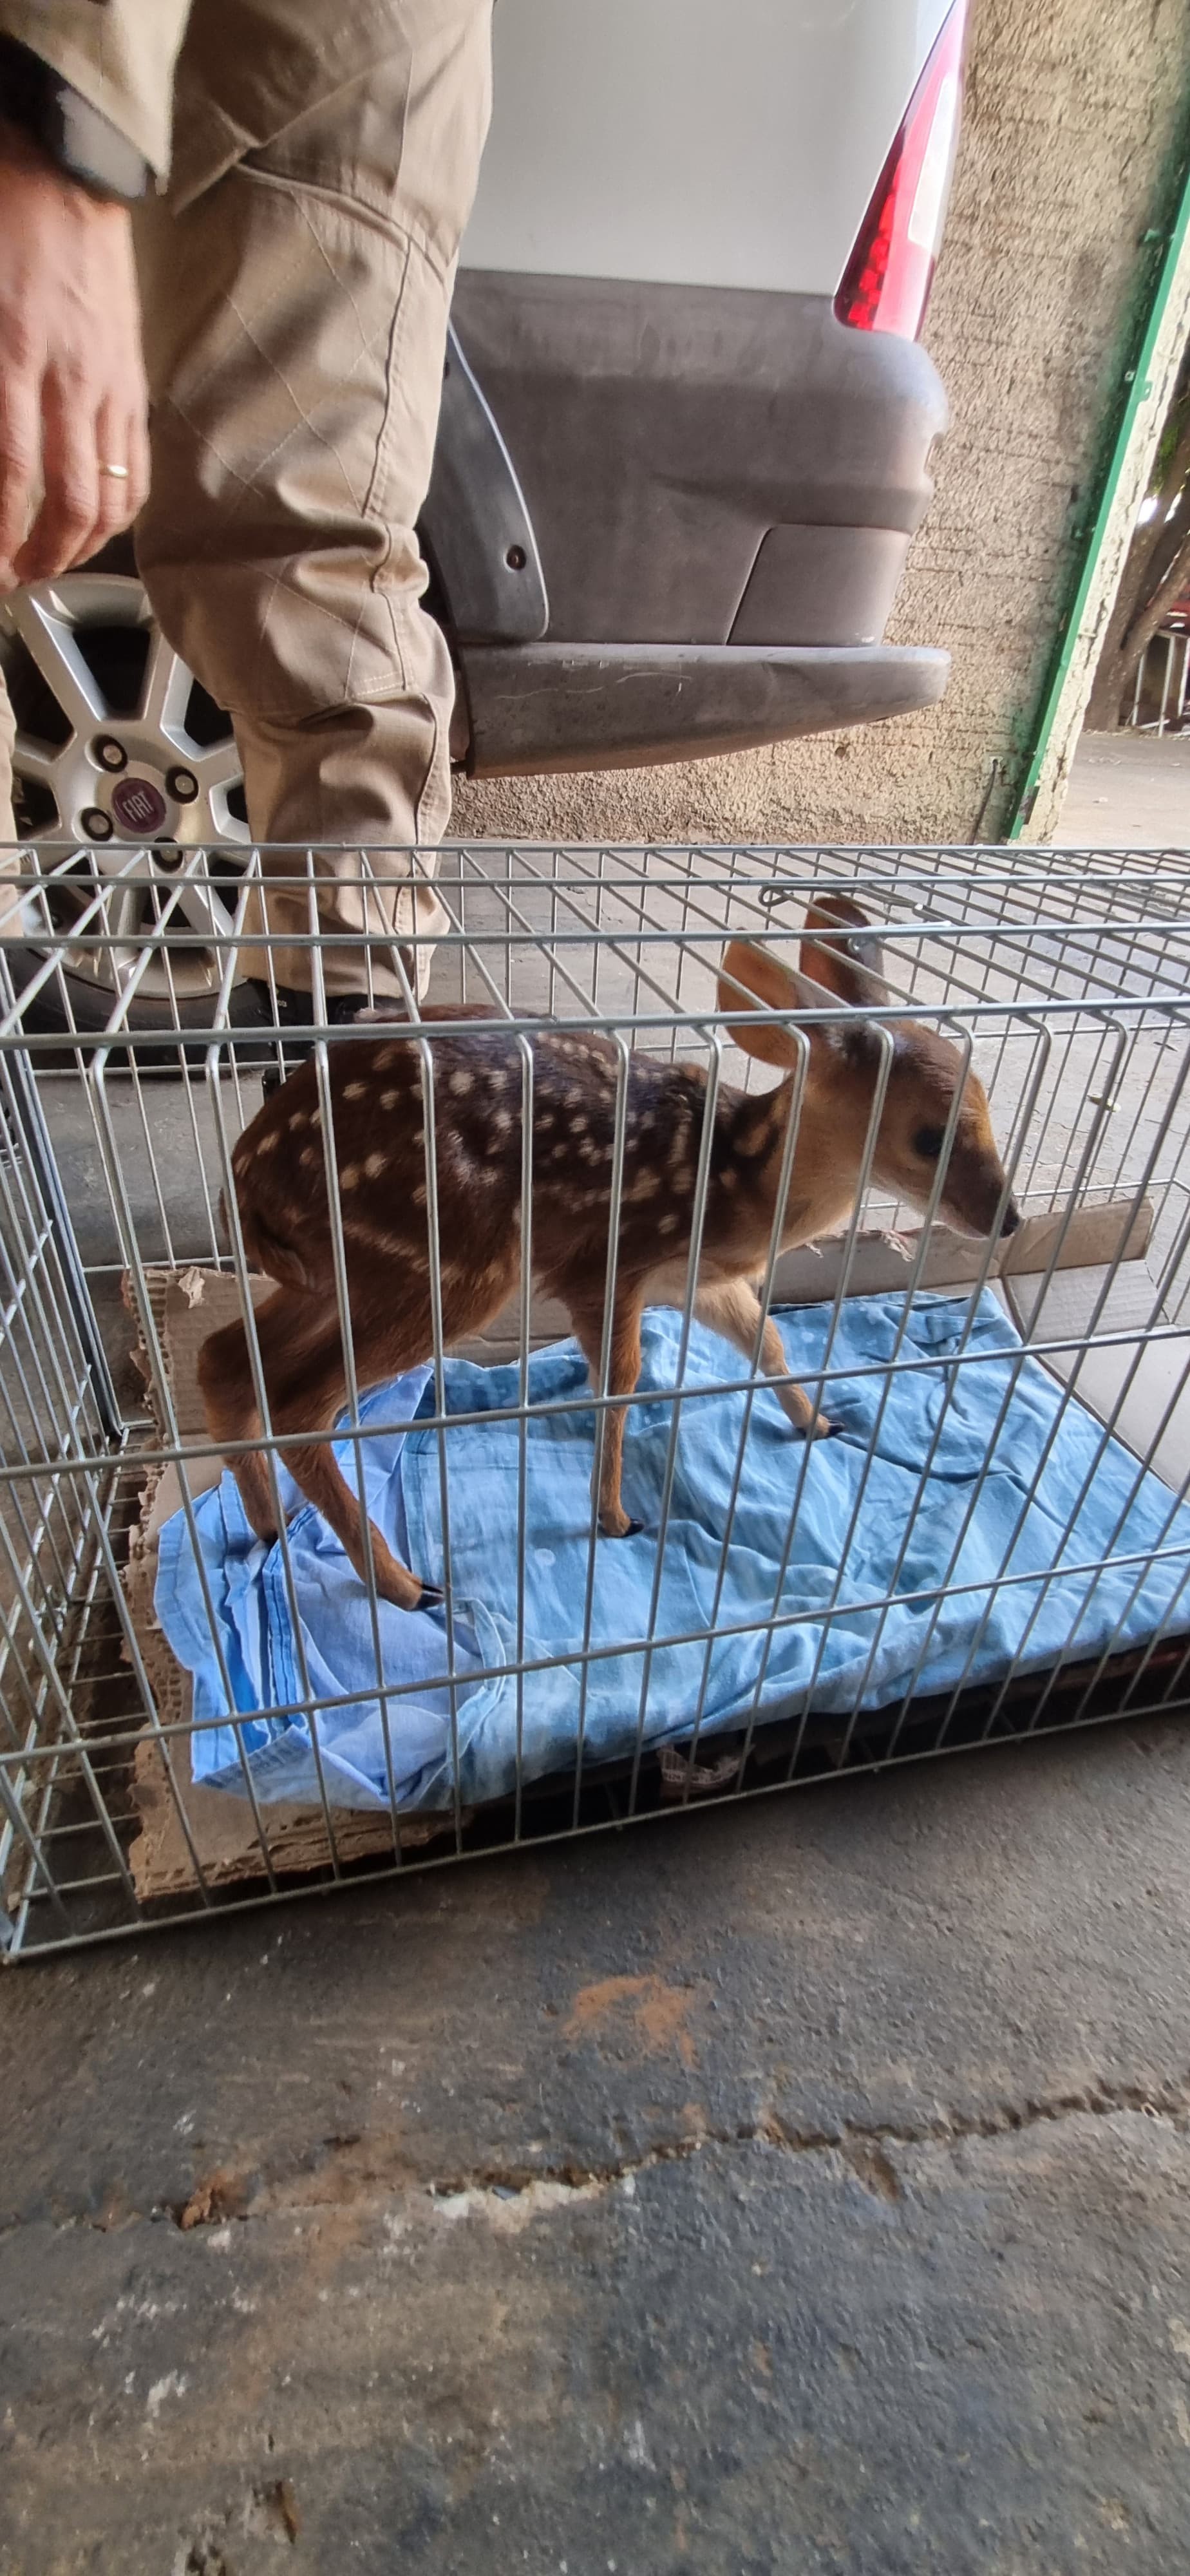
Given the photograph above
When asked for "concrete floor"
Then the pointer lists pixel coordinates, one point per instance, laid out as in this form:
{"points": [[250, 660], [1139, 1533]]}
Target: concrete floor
{"points": [[797, 2188], [1128, 791], [794, 2190]]}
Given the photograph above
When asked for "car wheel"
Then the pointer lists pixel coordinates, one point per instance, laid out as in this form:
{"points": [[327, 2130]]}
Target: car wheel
{"points": [[123, 766]]}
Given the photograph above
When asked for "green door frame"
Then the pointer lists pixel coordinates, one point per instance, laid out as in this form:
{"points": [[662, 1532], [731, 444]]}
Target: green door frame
{"points": [[1149, 381]]}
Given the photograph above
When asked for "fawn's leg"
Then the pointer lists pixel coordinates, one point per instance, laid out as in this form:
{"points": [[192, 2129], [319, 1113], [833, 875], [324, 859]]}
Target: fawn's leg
{"points": [[229, 1402], [314, 1392], [623, 1372], [311, 1400], [301, 1355], [733, 1309]]}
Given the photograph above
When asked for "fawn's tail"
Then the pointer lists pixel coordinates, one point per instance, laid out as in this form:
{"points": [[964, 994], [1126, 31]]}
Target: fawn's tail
{"points": [[265, 1249]]}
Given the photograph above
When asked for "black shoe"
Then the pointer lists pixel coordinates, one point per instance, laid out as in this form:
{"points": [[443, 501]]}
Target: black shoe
{"points": [[296, 1010]]}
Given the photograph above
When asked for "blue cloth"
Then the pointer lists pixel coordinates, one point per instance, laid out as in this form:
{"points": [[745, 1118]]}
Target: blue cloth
{"points": [[1122, 1512]]}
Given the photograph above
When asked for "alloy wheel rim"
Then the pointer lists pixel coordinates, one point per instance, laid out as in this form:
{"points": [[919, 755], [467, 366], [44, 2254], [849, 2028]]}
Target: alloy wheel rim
{"points": [[123, 771]]}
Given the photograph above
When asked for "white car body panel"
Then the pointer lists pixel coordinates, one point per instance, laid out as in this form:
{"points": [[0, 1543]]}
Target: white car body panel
{"points": [[730, 143]]}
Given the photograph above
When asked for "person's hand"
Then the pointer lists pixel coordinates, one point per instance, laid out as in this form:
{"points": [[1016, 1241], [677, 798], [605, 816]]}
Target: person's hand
{"points": [[72, 385]]}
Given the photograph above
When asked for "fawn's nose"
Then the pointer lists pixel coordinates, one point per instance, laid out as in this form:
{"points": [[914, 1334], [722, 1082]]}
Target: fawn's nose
{"points": [[1010, 1219]]}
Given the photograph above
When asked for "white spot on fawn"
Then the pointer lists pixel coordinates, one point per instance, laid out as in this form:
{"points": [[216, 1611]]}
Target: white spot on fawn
{"points": [[300, 1118], [668, 1224], [419, 1194], [361, 1232], [375, 1165], [270, 1138], [460, 1084], [349, 1176], [354, 1090], [389, 1099]]}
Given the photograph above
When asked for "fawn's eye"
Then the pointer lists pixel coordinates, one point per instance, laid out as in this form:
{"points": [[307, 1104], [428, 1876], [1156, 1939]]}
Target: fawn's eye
{"points": [[928, 1143]]}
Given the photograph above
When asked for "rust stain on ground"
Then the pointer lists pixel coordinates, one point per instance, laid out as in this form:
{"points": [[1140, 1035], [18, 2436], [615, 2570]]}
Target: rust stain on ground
{"points": [[219, 2196], [656, 2013], [875, 2170]]}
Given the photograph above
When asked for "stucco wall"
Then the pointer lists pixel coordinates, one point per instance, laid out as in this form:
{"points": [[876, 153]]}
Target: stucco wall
{"points": [[1073, 114]]}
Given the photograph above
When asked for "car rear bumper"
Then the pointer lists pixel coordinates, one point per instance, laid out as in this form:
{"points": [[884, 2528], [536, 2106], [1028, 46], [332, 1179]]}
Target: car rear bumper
{"points": [[552, 707]]}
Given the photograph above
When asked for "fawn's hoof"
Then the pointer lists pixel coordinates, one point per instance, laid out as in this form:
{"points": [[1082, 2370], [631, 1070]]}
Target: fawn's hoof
{"points": [[404, 1591], [631, 1529]]}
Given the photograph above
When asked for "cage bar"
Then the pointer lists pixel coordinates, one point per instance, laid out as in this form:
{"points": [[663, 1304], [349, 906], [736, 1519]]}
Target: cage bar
{"points": [[995, 1545]]}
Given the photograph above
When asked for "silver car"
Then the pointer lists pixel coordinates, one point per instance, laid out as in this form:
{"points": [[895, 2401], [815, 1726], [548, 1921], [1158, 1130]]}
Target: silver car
{"points": [[686, 425]]}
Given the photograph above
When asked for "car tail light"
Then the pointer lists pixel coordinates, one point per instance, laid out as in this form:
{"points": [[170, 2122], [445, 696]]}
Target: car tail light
{"points": [[889, 274]]}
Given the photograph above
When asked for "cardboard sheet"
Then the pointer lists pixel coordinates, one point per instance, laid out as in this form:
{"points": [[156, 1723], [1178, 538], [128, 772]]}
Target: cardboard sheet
{"points": [[1135, 1372]]}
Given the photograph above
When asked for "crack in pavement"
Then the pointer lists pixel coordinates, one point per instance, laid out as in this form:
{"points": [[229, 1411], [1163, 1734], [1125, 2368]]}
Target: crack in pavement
{"points": [[226, 2195], [862, 2145]]}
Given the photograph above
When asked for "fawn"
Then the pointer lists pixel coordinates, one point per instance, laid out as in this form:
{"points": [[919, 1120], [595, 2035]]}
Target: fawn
{"points": [[376, 1089]]}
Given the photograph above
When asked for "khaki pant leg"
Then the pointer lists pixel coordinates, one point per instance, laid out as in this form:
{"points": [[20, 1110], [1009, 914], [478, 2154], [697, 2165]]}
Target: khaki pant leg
{"points": [[295, 322], [10, 856], [8, 732]]}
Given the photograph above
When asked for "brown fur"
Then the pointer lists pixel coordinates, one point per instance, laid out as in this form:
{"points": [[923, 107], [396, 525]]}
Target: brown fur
{"points": [[379, 1126]]}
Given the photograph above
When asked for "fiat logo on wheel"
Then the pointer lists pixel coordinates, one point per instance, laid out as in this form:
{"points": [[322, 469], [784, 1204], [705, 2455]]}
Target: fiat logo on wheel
{"points": [[138, 806]]}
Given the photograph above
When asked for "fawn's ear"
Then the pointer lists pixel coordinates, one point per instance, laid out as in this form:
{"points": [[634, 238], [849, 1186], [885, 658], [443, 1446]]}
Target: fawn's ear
{"points": [[850, 966], [751, 975]]}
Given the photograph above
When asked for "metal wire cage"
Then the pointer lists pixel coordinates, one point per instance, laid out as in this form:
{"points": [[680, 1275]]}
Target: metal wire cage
{"points": [[997, 1546]]}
